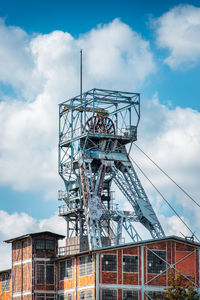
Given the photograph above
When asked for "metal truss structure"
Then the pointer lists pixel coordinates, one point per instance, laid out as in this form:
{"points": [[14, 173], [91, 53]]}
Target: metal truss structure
{"points": [[173, 267], [94, 130]]}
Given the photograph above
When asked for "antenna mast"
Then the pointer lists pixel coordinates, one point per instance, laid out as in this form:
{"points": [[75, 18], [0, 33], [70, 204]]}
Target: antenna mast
{"points": [[81, 84]]}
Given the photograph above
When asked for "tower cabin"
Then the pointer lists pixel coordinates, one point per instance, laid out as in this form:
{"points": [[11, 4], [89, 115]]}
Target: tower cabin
{"points": [[33, 269]]}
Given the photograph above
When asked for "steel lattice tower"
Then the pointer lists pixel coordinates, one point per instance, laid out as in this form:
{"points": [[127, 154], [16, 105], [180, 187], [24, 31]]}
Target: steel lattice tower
{"points": [[94, 130]]}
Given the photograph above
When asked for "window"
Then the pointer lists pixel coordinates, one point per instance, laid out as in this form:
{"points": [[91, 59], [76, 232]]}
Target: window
{"points": [[40, 274], [86, 295], [130, 295], [154, 296], [156, 261], [44, 274], [49, 274], [85, 265], [45, 298], [109, 262], [5, 282], [66, 269], [61, 297], [62, 270], [50, 244], [130, 263], [42, 244], [109, 294]]}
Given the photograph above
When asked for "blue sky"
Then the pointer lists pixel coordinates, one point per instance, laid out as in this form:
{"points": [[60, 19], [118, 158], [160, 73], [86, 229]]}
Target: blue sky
{"points": [[79, 17], [151, 47]]}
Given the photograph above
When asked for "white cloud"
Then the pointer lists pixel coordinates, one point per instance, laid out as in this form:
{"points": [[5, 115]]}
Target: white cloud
{"points": [[46, 68], [16, 224], [114, 57], [171, 138], [17, 64], [174, 226], [178, 30]]}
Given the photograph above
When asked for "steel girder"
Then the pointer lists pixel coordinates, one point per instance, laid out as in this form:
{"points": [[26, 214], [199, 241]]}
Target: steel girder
{"points": [[128, 182], [94, 129]]}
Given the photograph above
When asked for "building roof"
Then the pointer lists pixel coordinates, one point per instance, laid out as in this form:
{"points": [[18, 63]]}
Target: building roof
{"points": [[152, 241], [58, 236], [131, 244], [5, 271]]}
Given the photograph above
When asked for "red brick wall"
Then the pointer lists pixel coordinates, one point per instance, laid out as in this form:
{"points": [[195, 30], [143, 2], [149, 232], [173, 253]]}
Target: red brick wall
{"points": [[22, 266], [44, 253], [22, 277], [21, 248], [175, 251]]}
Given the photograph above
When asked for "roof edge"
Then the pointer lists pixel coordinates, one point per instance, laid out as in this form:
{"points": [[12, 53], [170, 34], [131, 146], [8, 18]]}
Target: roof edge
{"points": [[5, 271], [59, 236]]}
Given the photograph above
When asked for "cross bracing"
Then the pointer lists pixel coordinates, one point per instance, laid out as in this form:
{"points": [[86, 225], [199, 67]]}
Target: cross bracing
{"points": [[94, 130]]}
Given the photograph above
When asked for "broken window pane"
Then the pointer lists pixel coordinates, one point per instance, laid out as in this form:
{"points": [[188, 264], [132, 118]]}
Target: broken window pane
{"points": [[130, 263], [156, 261], [109, 262]]}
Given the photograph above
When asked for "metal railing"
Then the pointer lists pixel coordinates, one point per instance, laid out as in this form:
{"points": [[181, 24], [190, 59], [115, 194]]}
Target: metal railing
{"points": [[71, 134], [68, 250], [64, 209], [62, 195]]}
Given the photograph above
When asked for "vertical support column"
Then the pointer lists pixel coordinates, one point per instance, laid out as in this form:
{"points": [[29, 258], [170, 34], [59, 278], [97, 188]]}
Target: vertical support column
{"points": [[81, 87], [85, 108], [72, 119], [97, 275], [76, 281], [59, 126], [12, 275], [119, 231], [116, 119], [142, 272], [199, 270]]}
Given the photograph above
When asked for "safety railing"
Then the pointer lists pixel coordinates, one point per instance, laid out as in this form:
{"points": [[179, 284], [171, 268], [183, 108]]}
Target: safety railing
{"points": [[65, 209], [68, 250], [71, 134]]}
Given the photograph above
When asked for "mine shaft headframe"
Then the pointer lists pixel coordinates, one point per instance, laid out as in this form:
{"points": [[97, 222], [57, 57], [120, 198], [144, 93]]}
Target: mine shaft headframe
{"points": [[99, 111]]}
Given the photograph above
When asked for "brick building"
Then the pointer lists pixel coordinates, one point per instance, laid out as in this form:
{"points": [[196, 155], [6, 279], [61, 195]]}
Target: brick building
{"points": [[5, 285], [42, 271]]}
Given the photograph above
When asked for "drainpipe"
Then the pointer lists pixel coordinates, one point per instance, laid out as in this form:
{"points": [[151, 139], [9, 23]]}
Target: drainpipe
{"points": [[97, 275], [22, 271], [76, 277], [142, 271]]}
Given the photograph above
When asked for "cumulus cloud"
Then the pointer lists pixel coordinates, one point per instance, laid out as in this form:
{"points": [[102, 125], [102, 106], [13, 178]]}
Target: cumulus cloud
{"points": [[114, 57], [17, 64], [178, 30], [174, 146], [44, 69], [16, 224]]}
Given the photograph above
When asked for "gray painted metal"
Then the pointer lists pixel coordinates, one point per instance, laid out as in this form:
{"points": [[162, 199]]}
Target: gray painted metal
{"points": [[94, 129]]}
